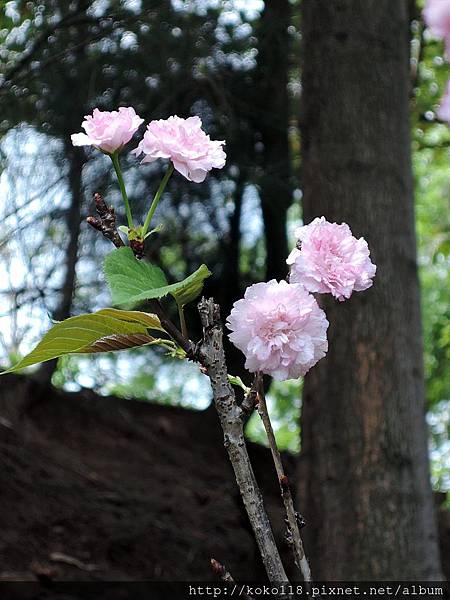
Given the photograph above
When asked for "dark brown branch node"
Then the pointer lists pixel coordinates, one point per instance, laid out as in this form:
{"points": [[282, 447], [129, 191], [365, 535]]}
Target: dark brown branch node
{"points": [[137, 245], [106, 221]]}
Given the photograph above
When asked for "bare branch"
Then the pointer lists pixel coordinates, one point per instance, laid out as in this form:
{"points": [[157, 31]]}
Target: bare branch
{"points": [[231, 420], [222, 572], [292, 517]]}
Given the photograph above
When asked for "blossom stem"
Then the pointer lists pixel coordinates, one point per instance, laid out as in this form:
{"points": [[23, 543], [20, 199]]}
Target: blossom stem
{"points": [[115, 160], [157, 198], [292, 520]]}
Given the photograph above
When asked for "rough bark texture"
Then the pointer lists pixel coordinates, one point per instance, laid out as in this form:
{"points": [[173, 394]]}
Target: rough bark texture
{"points": [[232, 421], [368, 498]]}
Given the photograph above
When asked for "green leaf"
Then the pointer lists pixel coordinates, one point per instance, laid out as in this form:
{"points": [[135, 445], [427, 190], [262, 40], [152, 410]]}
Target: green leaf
{"points": [[132, 281], [134, 316], [107, 330], [187, 290], [128, 277]]}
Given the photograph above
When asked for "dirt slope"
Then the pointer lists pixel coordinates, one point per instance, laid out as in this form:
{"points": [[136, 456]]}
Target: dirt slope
{"points": [[95, 488], [130, 490]]}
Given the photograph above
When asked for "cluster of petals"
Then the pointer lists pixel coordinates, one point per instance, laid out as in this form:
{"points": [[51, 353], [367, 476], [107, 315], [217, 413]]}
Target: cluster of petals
{"points": [[436, 15], [108, 131], [184, 142], [280, 329], [329, 259]]}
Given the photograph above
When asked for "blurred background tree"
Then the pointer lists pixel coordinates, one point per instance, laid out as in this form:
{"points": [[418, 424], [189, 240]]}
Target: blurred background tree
{"points": [[364, 442], [236, 64]]}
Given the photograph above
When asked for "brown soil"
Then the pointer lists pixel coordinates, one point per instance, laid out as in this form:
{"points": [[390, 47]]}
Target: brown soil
{"points": [[127, 489], [95, 488]]}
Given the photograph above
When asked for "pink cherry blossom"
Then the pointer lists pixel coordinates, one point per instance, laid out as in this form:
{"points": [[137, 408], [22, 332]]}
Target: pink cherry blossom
{"points": [[330, 259], [436, 15], [444, 109], [108, 131], [185, 143], [280, 329]]}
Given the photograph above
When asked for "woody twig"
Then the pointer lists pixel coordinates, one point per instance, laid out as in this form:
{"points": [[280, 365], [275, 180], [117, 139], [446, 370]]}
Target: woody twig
{"points": [[222, 572], [294, 520], [106, 221]]}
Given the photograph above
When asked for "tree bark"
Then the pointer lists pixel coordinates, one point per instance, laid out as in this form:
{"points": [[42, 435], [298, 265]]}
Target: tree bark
{"points": [[232, 422], [367, 493]]}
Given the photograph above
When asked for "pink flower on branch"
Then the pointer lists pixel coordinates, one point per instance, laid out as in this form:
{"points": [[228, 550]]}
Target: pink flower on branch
{"points": [[108, 131], [443, 111], [331, 260], [280, 329], [436, 15], [184, 142]]}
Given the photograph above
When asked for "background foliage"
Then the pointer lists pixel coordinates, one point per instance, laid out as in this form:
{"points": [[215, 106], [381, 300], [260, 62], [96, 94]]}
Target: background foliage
{"points": [[60, 59]]}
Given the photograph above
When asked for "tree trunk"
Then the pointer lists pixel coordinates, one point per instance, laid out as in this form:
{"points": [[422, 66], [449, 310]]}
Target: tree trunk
{"points": [[272, 113], [366, 496]]}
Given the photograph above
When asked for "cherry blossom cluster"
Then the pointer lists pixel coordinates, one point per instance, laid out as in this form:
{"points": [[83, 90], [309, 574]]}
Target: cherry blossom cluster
{"points": [[279, 326], [436, 14], [182, 141]]}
